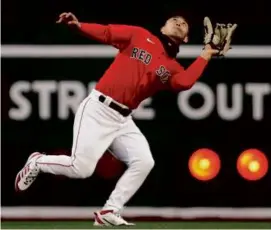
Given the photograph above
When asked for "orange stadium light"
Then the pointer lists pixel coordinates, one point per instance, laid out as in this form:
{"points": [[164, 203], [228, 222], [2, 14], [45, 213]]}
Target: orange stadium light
{"points": [[204, 164], [252, 164]]}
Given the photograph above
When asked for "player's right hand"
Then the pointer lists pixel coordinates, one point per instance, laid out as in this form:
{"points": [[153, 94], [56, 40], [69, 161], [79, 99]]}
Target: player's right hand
{"points": [[68, 18]]}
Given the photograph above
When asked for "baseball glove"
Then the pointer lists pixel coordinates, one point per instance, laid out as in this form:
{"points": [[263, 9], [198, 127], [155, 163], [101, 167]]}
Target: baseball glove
{"points": [[219, 37]]}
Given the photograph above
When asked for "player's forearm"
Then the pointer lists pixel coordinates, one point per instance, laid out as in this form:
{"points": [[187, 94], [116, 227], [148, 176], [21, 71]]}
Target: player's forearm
{"points": [[95, 31], [187, 78]]}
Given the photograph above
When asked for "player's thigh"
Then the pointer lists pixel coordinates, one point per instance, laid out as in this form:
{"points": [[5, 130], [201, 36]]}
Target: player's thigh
{"points": [[92, 134], [77, 120], [132, 147]]}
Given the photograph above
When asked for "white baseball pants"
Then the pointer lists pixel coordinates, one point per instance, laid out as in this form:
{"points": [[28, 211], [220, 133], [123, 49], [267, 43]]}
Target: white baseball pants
{"points": [[97, 127]]}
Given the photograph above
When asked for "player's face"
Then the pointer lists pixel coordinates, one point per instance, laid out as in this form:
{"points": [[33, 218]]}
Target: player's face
{"points": [[176, 27]]}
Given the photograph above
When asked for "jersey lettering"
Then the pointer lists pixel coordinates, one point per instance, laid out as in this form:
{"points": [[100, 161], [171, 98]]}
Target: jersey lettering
{"points": [[163, 74], [141, 55]]}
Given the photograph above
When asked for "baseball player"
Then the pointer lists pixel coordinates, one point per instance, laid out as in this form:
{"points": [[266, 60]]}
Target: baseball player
{"points": [[145, 64]]}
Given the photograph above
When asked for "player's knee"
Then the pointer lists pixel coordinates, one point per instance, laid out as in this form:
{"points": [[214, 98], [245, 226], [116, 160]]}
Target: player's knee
{"points": [[149, 164], [83, 169], [145, 165], [84, 173]]}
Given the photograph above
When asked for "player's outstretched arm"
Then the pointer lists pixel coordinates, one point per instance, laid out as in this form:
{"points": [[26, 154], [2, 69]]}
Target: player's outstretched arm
{"points": [[217, 43], [185, 79], [116, 35]]}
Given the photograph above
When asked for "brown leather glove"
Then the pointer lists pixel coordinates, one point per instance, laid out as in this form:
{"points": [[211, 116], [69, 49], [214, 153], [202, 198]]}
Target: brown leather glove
{"points": [[219, 37]]}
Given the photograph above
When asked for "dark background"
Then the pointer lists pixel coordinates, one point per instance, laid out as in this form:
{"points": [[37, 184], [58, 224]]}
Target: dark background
{"points": [[172, 136], [32, 22]]}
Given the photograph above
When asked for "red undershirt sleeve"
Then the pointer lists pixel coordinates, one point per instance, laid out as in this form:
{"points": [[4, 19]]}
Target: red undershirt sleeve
{"points": [[118, 36]]}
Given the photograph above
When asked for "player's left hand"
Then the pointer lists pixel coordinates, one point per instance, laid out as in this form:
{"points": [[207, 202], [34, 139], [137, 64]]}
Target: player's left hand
{"points": [[208, 52], [226, 32], [218, 37]]}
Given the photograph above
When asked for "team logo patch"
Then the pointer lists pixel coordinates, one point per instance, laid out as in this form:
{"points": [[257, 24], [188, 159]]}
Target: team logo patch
{"points": [[163, 74]]}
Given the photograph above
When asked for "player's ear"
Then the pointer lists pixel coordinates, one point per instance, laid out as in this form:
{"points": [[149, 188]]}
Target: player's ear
{"points": [[185, 39]]}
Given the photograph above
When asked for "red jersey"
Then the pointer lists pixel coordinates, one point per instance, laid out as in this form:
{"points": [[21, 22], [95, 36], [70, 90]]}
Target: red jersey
{"points": [[142, 66]]}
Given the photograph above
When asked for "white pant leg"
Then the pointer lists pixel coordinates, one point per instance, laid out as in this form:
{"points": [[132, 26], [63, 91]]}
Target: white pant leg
{"points": [[95, 127], [132, 148]]}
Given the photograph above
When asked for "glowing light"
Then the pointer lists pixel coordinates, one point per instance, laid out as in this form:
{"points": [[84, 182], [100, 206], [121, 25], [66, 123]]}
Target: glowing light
{"points": [[252, 164], [204, 164]]}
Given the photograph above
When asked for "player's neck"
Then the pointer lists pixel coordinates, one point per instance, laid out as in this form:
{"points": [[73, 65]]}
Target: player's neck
{"points": [[170, 46], [174, 40]]}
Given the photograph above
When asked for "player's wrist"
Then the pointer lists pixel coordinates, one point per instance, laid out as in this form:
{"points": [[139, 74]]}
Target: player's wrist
{"points": [[205, 55]]}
